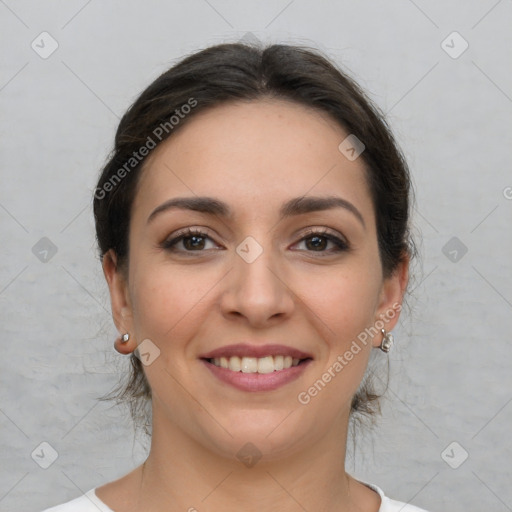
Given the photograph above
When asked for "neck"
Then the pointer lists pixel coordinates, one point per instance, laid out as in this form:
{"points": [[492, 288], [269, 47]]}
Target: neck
{"points": [[181, 474]]}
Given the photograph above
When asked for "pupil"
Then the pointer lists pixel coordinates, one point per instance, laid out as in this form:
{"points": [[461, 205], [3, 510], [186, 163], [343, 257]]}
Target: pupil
{"points": [[317, 242], [194, 241]]}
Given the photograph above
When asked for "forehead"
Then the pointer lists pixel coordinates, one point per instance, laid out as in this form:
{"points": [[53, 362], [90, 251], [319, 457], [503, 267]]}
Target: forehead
{"points": [[248, 151]]}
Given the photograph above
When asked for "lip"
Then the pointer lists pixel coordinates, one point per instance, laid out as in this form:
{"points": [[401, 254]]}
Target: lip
{"points": [[258, 381], [247, 350]]}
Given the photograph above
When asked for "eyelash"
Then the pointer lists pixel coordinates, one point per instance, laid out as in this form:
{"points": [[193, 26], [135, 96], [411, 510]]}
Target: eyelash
{"points": [[341, 245]]}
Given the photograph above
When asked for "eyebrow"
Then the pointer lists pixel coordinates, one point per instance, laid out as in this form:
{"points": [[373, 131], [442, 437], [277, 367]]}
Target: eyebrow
{"points": [[295, 206]]}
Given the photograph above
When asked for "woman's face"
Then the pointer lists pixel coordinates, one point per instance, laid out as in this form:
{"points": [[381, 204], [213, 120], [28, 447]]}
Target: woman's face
{"points": [[255, 276]]}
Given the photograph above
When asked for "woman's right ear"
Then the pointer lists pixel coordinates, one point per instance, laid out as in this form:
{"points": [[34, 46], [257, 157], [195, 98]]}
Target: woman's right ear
{"points": [[119, 293]]}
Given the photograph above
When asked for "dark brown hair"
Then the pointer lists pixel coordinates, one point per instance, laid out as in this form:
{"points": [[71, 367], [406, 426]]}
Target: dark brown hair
{"points": [[238, 72]]}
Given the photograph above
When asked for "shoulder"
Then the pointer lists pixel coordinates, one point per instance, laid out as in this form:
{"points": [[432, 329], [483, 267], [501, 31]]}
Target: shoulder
{"points": [[88, 502], [389, 505]]}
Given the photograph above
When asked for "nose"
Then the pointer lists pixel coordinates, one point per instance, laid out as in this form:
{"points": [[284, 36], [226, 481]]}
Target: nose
{"points": [[257, 290]]}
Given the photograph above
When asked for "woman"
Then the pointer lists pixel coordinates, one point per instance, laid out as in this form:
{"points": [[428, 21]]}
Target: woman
{"points": [[253, 228]]}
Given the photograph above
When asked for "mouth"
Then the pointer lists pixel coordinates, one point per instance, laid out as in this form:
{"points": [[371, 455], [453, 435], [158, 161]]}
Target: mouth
{"points": [[260, 365], [253, 374], [256, 367]]}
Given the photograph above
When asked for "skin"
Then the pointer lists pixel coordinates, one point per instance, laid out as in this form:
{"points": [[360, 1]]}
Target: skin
{"points": [[188, 303]]}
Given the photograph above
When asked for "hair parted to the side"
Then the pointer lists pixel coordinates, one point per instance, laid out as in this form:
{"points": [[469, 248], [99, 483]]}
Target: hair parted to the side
{"points": [[239, 72]]}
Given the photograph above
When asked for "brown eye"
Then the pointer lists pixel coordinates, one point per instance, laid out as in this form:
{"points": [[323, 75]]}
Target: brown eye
{"points": [[318, 241], [191, 240]]}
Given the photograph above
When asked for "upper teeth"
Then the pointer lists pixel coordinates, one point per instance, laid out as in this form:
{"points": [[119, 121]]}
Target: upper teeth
{"points": [[266, 364]]}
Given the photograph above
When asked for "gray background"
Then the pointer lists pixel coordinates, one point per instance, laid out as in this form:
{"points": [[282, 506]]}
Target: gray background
{"points": [[451, 378]]}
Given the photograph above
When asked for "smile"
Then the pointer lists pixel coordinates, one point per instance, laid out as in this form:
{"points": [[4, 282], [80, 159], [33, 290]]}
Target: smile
{"points": [[244, 373], [266, 364]]}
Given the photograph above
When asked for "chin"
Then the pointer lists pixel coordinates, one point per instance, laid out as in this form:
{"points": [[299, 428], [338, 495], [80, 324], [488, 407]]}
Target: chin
{"points": [[265, 434]]}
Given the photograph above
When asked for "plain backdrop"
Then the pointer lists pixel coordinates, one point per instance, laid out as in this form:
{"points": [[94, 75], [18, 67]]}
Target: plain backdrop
{"points": [[439, 70]]}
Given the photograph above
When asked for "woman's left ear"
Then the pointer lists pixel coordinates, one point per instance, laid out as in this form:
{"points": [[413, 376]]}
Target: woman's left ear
{"points": [[392, 295]]}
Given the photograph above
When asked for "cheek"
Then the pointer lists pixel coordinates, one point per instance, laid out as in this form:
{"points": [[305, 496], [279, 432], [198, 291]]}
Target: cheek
{"points": [[343, 300], [355, 301], [344, 305], [344, 314], [167, 310], [168, 301]]}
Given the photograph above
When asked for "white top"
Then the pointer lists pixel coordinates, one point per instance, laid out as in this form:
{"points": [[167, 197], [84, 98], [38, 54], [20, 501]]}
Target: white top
{"points": [[89, 502]]}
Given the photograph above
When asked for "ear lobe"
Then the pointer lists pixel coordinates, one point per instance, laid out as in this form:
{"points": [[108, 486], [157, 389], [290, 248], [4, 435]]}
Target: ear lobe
{"points": [[119, 297], [392, 294]]}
